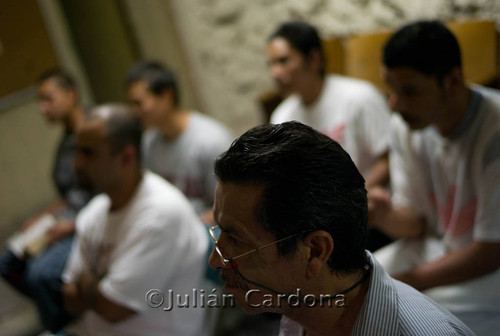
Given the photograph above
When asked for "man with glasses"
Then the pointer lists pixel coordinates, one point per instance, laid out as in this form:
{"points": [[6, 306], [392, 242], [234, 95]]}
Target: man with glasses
{"points": [[292, 210]]}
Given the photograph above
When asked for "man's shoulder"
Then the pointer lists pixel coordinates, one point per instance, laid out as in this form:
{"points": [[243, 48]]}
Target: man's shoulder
{"points": [[393, 305], [420, 315], [157, 191], [158, 197], [490, 103], [94, 211], [354, 96], [287, 110], [350, 85], [208, 132], [208, 123]]}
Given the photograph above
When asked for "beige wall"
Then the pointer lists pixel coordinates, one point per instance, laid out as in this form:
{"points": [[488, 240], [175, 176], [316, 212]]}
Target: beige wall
{"points": [[225, 39], [157, 37], [27, 147], [27, 142], [217, 48]]}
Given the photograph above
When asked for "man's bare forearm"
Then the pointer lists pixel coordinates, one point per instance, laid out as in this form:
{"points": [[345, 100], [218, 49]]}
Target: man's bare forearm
{"points": [[472, 261]]}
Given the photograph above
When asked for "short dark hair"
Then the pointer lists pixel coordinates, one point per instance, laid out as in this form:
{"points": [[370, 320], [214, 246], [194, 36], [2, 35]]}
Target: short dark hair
{"points": [[310, 184], [426, 46], [303, 37], [123, 127], [157, 76], [62, 78]]}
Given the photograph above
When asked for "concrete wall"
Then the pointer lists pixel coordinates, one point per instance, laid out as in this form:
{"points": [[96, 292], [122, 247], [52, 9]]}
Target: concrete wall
{"points": [[157, 37], [218, 49], [27, 141], [224, 40]]}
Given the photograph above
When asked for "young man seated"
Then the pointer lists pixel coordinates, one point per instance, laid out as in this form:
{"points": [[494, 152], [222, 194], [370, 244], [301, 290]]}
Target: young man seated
{"points": [[445, 177]]}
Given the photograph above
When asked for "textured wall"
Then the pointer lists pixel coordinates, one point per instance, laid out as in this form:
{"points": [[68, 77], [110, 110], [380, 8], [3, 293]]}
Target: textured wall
{"points": [[28, 142], [27, 147], [225, 39]]}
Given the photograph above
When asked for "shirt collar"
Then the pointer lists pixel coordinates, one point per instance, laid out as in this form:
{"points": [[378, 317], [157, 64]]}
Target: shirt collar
{"points": [[378, 313]]}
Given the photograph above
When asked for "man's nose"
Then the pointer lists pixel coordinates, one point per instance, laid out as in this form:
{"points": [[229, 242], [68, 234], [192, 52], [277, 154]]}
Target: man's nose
{"points": [[276, 71], [215, 260], [77, 162]]}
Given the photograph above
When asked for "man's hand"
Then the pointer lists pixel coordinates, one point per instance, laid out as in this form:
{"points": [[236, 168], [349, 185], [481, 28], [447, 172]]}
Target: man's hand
{"points": [[73, 301], [396, 223], [29, 222], [379, 205], [84, 294], [87, 287], [80, 295], [61, 229]]}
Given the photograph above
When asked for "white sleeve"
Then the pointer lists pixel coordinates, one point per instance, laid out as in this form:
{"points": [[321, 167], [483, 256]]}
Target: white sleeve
{"points": [[74, 265], [285, 110], [146, 142], [408, 180], [76, 261], [374, 121], [487, 221]]}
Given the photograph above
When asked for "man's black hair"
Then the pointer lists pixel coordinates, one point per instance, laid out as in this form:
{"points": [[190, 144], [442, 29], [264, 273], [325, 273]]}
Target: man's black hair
{"points": [[122, 125], [310, 184], [158, 77], [426, 46], [303, 37], [62, 78]]}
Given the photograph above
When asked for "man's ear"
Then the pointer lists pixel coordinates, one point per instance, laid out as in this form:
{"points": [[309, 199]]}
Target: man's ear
{"points": [[167, 96], [453, 81], [74, 95], [320, 245], [129, 155], [315, 61]]}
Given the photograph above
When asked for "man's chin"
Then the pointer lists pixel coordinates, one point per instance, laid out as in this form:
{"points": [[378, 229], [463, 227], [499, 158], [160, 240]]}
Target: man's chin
{"points": [[415, 124], [251, 302], [84, 182], [284, 89]]}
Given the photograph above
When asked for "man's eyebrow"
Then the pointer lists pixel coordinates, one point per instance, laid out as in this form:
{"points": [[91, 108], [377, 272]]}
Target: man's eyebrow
{"points": [[237, 233], [223, 227]]}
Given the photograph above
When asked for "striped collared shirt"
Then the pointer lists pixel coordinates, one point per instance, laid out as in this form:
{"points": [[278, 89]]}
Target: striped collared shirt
{"points": [[392, 308]]}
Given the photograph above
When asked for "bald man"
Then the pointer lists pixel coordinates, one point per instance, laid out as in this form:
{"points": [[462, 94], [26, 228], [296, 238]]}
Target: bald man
{"points": [[140, 234]]}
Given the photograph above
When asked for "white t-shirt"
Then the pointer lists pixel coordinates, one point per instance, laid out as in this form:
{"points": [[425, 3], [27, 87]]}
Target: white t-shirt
{"points": [[455, 184], [187, 162], [351, 112], [155, 242]]}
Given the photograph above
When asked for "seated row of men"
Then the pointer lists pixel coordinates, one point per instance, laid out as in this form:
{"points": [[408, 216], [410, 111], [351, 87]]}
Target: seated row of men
{"points": [[290, 205], [178, 145]]}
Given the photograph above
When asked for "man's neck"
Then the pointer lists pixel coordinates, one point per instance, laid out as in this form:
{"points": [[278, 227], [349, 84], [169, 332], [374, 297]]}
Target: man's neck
{"points": [[338, 316], [74, 119], [312, 91], [174, 124], [123, 193], [456, 113]]}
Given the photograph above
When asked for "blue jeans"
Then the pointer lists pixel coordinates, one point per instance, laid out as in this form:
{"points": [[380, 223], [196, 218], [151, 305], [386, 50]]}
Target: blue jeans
{"points": [[40, 279]]}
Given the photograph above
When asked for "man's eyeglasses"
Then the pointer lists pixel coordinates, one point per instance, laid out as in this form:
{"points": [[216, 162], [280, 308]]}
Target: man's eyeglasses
{"points": [[215, 233]]}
